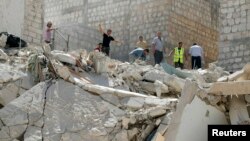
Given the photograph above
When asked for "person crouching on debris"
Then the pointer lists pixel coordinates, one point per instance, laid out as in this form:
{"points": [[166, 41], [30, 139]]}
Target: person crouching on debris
{"points": [[98, 47], [90, 59], [139, 53], [48, 33]]}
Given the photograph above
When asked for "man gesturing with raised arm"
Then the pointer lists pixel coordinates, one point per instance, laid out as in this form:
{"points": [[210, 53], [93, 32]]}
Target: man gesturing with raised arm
{"points": [[107, 38]]}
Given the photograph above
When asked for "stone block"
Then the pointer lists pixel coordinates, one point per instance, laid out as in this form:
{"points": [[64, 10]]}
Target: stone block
{"points": [[230, 88], [238, 110], [17, 130], [133, 102], [8, 94], [157, 112], [33, 133]]}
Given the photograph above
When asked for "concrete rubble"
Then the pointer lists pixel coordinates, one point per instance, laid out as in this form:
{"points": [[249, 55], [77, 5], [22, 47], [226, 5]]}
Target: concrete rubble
{"points": [[59, 96]]}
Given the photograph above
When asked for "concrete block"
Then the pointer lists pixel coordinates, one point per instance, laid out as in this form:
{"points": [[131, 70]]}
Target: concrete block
{"points": [[230, 88], [238, 110]]}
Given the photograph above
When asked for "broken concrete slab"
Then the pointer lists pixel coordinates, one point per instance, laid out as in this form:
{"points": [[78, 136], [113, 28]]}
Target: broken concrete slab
{"points": [[8, 94], [176, 83], [64, 100], [3, 55], [168, 103], [132, 134], [157, 112], [111, 99], [148, 87], [231, 77], [238, 110], [17, 130], [160, 88], [111, 122], [71, 136], [5, 134], [22, 106], [133, 102], [230, 88], [63, 57], [25, 82], [197, 114], [121, 136], [132, 75], [112, 109], [187, 96], [5, 76], [125, 122], [154, 75]]}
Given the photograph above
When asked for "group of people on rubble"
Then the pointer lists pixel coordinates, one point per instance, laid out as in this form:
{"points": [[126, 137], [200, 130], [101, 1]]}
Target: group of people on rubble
{"points": [[142, 51]]}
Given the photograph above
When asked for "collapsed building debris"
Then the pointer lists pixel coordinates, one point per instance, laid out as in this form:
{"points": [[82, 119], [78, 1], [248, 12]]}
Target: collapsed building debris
{"points": [[113, 100]]}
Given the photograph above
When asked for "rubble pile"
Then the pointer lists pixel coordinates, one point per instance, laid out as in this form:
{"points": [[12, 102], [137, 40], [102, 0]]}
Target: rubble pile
{"points": [[88, 96]]}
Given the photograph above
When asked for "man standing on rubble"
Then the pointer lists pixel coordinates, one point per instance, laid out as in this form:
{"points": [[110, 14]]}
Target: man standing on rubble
{"points": [[107, 38], [196, 53], [179, 54], [48, 34], [157, 48]]}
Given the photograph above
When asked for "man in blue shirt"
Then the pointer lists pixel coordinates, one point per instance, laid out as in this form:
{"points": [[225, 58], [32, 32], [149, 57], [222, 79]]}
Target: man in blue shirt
{"points": [[139, 53]]}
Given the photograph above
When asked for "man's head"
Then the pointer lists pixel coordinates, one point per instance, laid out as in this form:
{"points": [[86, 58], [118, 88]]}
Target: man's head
{"points": [[141, 38], [158, 34], [194, 44], [146, 51], [180, 44], [49, 24], [99, 45], [109, 31]]}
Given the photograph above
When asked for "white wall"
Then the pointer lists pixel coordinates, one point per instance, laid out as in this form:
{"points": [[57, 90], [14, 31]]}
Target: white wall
{"points": [[12, 16]]}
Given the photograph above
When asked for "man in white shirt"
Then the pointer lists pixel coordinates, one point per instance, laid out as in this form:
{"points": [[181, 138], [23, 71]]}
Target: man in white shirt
{"points": [[158, 48], [196, 53]]}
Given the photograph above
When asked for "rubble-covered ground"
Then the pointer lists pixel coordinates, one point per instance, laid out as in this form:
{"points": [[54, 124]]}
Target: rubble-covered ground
{"points": [[58, 96]]}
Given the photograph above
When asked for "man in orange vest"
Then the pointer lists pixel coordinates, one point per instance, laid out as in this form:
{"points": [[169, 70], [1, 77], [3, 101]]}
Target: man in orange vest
{"points": [[179, 54]]}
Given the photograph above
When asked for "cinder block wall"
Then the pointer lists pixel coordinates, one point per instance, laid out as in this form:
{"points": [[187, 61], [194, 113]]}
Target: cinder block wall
{"points": [[33, 21], [234, 46], [179, 20]]}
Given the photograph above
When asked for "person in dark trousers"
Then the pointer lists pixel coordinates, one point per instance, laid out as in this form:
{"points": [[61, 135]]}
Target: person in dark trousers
{"points": [[158, 48], [179, 54], [107, 38], [48, 33], [196, 53]]}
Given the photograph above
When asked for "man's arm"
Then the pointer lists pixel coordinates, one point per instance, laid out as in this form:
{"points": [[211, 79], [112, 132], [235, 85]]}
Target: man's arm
{"points": [[116, 41], [101, 29]]}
